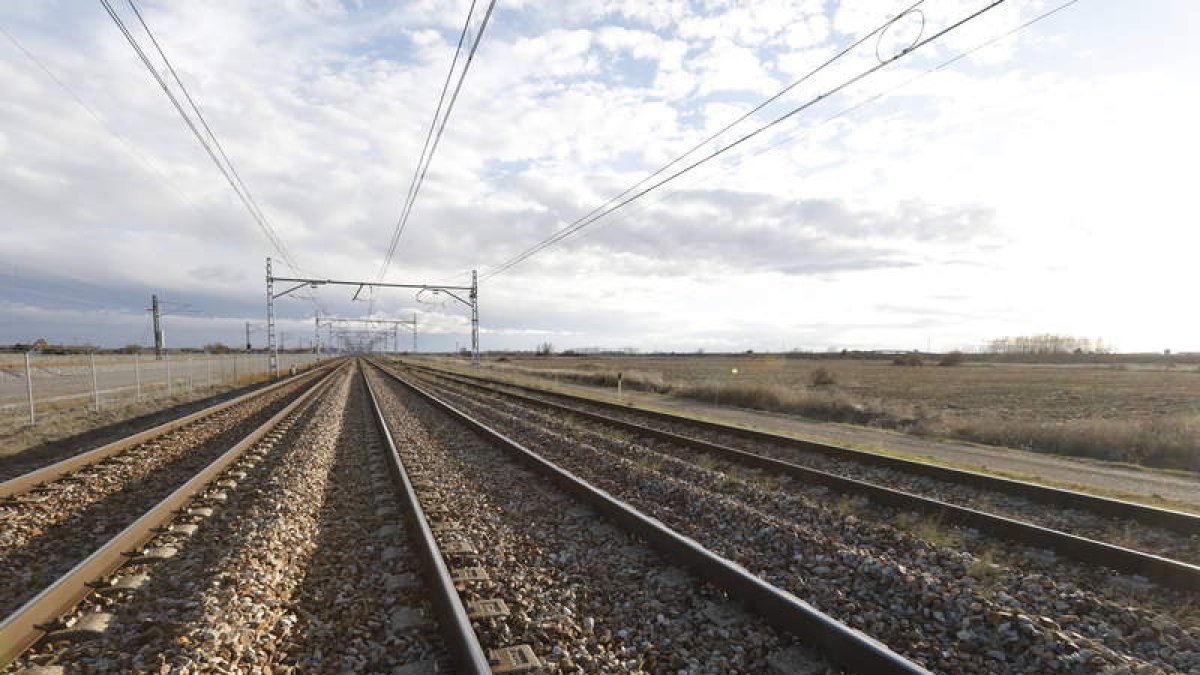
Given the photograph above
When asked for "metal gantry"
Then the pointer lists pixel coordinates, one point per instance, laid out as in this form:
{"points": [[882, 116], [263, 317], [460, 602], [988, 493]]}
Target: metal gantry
{"points": [[380, 325], [471, 301]]}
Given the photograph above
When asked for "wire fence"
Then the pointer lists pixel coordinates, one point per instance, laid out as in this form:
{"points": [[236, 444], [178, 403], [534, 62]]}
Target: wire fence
{"points": [[34, 384]]}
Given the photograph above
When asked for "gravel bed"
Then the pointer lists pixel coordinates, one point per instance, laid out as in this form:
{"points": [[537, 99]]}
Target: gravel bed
{"points": [[1120, 531], [585, 596], [920, 598], [296, 570], [39, 541], [1106, 584]]}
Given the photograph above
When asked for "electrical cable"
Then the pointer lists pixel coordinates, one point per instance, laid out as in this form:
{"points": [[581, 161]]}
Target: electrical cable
{"points": [[436, 140], [711, 137], [863, 103], [570, 230], [125, 142], [204, 122], [263, 224], [437, 113]]}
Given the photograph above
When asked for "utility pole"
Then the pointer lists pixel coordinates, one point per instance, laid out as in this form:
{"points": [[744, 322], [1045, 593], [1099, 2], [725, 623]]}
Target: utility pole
{"points": [[158, 331], [273, 359], [248, 347], [414, 324], [474, 318]]}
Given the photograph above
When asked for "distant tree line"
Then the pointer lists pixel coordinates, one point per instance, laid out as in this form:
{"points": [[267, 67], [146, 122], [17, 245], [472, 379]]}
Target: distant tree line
{"points": [[1047, 344]]}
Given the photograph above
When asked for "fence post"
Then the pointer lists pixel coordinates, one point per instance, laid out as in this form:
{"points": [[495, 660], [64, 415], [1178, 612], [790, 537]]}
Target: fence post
{"points": [[29, 388], [191, 367], [137, 374], [95, 384], [170, 383], [235, 377]]}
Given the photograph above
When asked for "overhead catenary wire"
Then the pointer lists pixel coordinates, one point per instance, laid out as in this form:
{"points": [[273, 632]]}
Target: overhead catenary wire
{"points": [[125, 142], [226, 171], [419, 180], [204, 122], [749, 113], [437, 114], [642, 205], [579, 225]]}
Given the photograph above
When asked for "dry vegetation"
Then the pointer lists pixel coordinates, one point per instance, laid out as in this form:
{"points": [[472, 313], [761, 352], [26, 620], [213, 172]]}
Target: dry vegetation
{"points": [[1131, 413]]}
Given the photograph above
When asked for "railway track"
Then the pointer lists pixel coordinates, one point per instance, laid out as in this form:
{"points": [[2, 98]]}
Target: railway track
{"points": [[380, 522], [282, 555], [584, 593], [1159, 532], [948, 597], [67, 537], [52, 518]]}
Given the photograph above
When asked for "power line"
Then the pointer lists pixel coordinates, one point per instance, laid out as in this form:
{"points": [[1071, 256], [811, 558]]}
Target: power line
{"points": [[227, 172], [125, 142], [579, 225], [437, 113], [779, 94], [781, 142], [419, 179], [200, 116], [865, 102]]}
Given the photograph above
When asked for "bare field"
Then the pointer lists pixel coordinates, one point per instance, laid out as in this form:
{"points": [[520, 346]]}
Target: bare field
{"points": [[1137, 414]]}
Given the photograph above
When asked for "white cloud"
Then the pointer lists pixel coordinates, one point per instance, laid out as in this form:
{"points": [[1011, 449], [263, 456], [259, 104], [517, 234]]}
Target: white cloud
{"points": [[1075, 170]]}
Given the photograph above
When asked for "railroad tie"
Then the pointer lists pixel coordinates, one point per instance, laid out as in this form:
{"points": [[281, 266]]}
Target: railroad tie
{"points": [[128, 583], [90, 626], [519, 659]]}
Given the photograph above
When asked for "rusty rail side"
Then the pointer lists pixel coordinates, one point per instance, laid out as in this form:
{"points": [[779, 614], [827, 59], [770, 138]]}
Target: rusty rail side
{"points": [[21, 629]]}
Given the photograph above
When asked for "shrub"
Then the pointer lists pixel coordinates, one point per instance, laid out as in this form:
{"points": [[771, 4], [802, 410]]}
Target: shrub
{"points": [[955, 358], [822, 377], [912, 360]]}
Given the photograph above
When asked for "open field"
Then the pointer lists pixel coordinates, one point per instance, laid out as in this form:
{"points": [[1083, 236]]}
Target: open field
{"points": [[1138, 414]]}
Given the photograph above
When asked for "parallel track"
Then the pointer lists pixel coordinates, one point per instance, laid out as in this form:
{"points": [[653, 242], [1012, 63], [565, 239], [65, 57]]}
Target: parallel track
{"points": [[950, 601], [1166, 571], [41, 614], [848, 648], [13, 487], [1187, 524]]}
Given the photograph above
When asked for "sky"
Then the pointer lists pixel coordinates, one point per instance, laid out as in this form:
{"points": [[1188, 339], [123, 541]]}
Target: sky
{"points": [[1041, 184]]}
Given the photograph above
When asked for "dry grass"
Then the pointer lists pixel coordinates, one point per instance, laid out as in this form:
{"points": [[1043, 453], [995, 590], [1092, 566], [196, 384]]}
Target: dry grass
{"points": [[984, 568], [1137, 414]]}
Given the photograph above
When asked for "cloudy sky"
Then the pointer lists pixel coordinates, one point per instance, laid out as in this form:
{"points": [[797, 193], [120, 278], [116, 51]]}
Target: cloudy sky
{"points": [[1043, 184]]}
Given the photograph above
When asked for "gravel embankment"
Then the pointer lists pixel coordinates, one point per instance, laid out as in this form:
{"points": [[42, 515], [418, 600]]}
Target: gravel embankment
{"points": [[1123, 532], [582, 594], [41, 540], [935, 603], [299, 569]]}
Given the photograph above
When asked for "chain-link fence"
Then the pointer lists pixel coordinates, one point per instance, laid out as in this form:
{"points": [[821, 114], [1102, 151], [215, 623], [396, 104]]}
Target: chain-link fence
{"points": [[31, 384]]}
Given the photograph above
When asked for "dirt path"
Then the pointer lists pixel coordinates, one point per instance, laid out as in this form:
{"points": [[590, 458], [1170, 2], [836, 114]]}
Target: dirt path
{"points": [[1148, 485]]}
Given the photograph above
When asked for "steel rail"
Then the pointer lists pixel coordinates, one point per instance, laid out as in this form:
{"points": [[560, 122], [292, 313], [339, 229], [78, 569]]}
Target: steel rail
{"points": [[1179, 521], [845, 646], [46, 474], [23, 628], [456, 627], [1162, 570]]}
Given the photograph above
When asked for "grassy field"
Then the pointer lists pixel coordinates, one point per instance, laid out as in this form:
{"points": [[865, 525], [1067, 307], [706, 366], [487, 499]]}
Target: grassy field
{"points": [[1147, 415]]}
